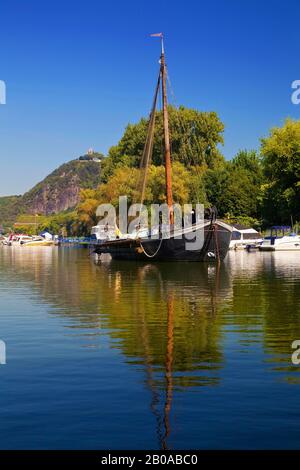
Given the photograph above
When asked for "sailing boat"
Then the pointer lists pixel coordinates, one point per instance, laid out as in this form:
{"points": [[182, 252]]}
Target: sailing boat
{"points": [[216, 235]]}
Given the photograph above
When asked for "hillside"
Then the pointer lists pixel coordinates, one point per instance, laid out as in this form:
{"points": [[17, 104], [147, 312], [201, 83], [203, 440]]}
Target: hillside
{"points": [[9, 208], [58, 192]]}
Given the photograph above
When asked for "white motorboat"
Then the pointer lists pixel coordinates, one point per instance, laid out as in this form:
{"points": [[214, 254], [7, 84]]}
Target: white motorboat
{"points": [[27, 240], [18, 240], [38, 241], [281, 238], [243, 237]]}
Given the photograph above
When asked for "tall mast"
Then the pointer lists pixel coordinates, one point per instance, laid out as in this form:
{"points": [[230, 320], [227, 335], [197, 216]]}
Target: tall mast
{"points": [[168, 166]]}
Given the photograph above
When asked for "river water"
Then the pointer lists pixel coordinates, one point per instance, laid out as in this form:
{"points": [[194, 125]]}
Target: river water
{"points": [[121, 355]]}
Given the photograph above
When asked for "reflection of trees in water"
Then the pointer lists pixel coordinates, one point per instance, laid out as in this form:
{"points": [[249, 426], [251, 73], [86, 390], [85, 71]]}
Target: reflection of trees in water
{"points": [[266, 300], [258, 290], [196, 330], [169, 318], [168, 369], [162, 317], [115, 295]]}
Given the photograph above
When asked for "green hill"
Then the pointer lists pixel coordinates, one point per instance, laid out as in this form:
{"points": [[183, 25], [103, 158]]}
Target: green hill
{"points": [[58, 192], [8, 209]]}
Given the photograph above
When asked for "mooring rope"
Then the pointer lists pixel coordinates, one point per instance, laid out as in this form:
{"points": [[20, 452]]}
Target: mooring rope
{"points": [[154, 254], [212, 233]]}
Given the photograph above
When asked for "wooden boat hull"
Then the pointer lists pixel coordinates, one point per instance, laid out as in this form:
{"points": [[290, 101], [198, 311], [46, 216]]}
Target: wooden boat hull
{"points": [[217, 238]]}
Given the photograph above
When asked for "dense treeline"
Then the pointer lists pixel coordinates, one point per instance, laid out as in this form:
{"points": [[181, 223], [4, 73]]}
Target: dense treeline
{"points": [[255, 188]]}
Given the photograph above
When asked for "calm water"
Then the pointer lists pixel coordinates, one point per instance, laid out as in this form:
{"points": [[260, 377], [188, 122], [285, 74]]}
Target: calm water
{"points": [[124, 355]]}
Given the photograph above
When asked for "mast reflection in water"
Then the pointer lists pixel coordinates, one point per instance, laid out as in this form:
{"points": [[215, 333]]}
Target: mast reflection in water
{"points": [[128, 355]]}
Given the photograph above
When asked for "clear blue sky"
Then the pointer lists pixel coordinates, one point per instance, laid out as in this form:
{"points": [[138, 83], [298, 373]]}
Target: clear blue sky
{"points": [[78, 71]]}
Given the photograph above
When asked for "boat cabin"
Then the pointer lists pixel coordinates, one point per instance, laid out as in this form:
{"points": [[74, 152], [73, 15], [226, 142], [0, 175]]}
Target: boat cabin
{"points": [[243, 236]]}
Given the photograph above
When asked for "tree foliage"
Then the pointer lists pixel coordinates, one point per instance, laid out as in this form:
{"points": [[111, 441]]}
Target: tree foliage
{"points": [[281, 163], [251, 187], [123, 182], [195, 136], [235, 189]]}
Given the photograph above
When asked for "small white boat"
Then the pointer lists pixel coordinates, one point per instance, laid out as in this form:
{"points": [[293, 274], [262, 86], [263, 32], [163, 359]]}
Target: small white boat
{"points": [[27, 240], [38, 241], [281, 239], [242, 237], [18, 240]]}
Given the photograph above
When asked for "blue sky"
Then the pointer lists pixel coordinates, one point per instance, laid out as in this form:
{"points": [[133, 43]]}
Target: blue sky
{"points": [[78, 71]]}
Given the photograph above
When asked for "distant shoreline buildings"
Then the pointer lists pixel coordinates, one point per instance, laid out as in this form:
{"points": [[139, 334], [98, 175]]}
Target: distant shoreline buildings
{"points": [[91, 155]]}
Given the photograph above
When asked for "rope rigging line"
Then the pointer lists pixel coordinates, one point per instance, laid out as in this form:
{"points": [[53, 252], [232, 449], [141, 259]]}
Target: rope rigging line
{"points": [[187, 133], [155, 253], [148, 148]]}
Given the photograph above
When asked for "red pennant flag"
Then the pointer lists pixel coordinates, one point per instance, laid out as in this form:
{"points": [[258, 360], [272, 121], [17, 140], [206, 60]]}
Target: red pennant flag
{"points": [[157, 35]]}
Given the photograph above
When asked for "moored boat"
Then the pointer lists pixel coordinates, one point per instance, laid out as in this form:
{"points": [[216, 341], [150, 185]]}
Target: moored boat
{"points": [[244, 237], [27, 240], [282, 238], [38, 241], [214, 234], [17, 239]]}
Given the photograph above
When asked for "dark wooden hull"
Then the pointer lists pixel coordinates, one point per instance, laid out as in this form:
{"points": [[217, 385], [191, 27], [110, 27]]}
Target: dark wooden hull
{"points": [[217, 237]]}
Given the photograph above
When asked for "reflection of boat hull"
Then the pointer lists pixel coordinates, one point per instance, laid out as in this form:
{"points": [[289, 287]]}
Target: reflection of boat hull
{"points": [[216, 236]]}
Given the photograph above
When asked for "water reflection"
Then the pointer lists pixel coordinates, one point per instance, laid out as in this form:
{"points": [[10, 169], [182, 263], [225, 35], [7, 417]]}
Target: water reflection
{"points": [[168, 326], [248, 289], [172, 322]]}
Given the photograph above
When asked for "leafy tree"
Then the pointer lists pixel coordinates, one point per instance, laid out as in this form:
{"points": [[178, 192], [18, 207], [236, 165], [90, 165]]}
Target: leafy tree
{"points": [[240, 195], [180, 184], [281, 162], [235, 188], [245, 183], [123, 182], [195, 136], [196, 184], [249, 161], [86, 210], [215, 183], [58, 224]]}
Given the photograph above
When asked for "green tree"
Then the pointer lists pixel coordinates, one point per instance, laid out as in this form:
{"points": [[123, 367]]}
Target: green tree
{"points": [[195, 137], [123, 182], [249, 161], [281, 162], [180, 184], [235, 188], [215, 183]]}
